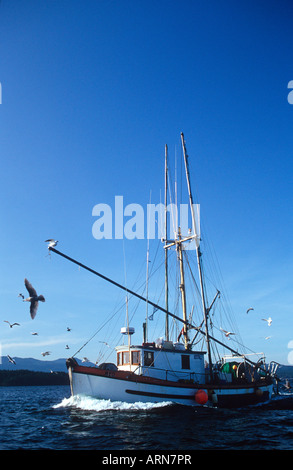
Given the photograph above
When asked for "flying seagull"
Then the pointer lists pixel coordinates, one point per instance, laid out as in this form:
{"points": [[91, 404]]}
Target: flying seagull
{"points": [[227, 333], [269, 320], [11, 360], [46, 353], [35, 334], [51, 242], [11, 324], [33, 298], [104, 342], [249, 309], [68, 329], [67, 347], [21, 295]]}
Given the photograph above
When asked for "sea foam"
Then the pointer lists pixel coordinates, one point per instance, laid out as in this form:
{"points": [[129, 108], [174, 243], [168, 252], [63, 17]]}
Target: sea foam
{"points": [[94, 404]]}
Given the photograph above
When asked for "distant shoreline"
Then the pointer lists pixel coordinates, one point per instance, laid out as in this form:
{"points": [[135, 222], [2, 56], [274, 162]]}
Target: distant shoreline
{"points": [[26, 377]]}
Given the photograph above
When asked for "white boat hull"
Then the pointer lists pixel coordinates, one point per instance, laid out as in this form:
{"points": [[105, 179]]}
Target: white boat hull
{"points": [[120, 386]]}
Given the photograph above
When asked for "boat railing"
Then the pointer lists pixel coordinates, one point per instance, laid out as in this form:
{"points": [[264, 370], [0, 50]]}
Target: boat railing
{"points": [[172, 375], [273, 366]]}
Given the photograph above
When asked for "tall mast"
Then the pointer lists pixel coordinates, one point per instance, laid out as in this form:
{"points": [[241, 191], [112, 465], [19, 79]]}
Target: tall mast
{"points": [[147, 284], [198, 255], [166, 251], [128, 334], [147, 287], [182, 288]]}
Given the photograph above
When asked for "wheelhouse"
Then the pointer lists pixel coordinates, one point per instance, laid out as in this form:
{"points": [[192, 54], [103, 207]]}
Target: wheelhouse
{"points": [[169, 361]]}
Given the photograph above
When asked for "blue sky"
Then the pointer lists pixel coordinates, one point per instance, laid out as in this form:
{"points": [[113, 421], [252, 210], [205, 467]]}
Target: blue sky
{"points": [[91, 93]]}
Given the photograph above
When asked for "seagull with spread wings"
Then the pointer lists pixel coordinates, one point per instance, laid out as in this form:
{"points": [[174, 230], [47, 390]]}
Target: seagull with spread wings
{"points": [[33, 298], [11, 324], [10, 359], [227, 333], [268, 320], [51, 242]]}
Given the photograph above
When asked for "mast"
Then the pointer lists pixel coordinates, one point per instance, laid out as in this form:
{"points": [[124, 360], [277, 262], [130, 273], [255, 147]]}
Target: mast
{"points": [[147, 283], [198, 255], [166, 251], [147, 288], [178, 243], [182, 288], [128, 335]]}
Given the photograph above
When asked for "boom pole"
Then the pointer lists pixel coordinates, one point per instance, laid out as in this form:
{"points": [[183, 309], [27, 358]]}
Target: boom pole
{"points": [[146, 300]]}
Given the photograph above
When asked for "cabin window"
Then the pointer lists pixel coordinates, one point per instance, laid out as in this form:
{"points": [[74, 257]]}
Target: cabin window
{"points": [[125, 357], [185, 362], [135, 357], [119, 362], [149, 358]]}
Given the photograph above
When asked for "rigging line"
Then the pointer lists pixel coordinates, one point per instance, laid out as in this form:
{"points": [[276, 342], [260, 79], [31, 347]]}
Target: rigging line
{"points": [[124, 262], [191, 273], [216, 273], [99, 329], [127, 316], [119, 308], [216, 353], [142, 285], [216, 279], [147, 272], [176, 195], [181, 175], [172, 211], [241, 345], [153, 262], [151, 274]]}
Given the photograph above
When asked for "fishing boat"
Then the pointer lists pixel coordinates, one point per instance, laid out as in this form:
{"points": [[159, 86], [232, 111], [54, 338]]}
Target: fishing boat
{"points": [[177, 371]]}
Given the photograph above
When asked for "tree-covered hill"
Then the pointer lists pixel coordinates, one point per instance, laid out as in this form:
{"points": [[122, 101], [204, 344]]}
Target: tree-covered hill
{"points": [[28, 377]]}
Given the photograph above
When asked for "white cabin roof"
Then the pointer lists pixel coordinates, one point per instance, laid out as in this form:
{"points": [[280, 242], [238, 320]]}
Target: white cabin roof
{"points": [[167, 346]]}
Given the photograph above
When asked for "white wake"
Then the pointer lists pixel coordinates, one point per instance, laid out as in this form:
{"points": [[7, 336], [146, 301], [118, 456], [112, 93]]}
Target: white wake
{"points": [[94, 404]]}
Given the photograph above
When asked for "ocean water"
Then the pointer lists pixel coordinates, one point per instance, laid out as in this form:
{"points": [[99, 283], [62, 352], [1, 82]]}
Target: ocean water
{"points": [[48, 418]]}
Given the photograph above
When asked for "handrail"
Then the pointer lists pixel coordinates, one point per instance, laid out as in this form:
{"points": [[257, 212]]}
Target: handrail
{"points": [[192, 375]]}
